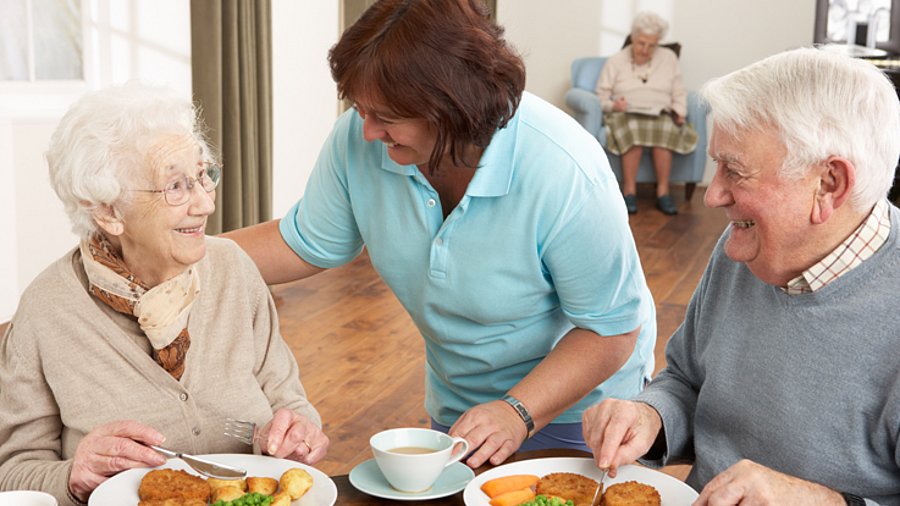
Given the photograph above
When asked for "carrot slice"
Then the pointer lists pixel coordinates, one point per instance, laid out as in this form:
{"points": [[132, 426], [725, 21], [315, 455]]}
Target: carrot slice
{"points": [[513, 498], [504, 484]]}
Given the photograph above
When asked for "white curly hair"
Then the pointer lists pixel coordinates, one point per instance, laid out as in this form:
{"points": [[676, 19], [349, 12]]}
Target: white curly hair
{"points": [[649, 23], [102, 139]]}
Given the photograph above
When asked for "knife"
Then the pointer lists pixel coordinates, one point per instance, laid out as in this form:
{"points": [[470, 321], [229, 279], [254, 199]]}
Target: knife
{"points": [[205, 467], [598, 494]]}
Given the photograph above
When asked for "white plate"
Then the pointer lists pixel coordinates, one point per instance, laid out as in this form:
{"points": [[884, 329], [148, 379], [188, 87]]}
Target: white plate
{"points": [[672, 491], [26, 498], [123, 487], [367, 478]]}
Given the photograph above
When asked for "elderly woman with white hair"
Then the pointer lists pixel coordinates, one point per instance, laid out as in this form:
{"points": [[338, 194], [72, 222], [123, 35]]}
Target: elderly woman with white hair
{"points": [[147, 332], [644, 104]]}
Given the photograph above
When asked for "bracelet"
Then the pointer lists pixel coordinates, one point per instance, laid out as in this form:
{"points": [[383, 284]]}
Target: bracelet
{"points": [[523, 413], [853, 500]]}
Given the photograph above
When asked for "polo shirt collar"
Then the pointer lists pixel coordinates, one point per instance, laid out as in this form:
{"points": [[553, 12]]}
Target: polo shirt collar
{"points": [[495, 169]]}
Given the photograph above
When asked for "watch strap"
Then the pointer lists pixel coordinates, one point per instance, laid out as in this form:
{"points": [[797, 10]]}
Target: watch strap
{"points": [[853, 500], [522, 411]]}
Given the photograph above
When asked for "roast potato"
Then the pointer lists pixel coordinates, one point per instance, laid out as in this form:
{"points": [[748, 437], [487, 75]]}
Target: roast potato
{"points": [[296, 482], [226, 494], [281, 499], [265, 486], [215, 483]]}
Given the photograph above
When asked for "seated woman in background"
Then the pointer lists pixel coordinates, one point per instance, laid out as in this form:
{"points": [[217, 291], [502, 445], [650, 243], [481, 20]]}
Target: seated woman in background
{"points": [[644, 105], [147, 332]]}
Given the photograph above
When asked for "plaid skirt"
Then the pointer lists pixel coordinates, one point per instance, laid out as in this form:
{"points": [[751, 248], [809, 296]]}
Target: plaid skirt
{"points": [[625, 130]]}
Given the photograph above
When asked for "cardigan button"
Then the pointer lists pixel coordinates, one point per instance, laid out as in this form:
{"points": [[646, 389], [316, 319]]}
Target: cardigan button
{"points": [[183, 396], [196, 431]]}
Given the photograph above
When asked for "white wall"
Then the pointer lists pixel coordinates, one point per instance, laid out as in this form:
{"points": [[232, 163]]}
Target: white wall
{"points": [[305, 103], [33, 223], [9, 284], [150, 40], [42, 232]]}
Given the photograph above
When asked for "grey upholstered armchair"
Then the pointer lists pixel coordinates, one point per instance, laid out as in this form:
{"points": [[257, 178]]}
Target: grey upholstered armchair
{"points": [[585, 104]]}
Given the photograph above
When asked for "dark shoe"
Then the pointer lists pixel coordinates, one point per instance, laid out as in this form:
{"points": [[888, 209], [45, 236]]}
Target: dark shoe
{"points": [[631, 203], [666, 205]]}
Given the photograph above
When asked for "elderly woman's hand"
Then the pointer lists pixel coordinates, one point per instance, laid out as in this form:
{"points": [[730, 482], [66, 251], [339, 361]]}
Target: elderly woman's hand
{"points": [[494, 429], [620, 104], [293, 436], [110, 449], [677, 118]]}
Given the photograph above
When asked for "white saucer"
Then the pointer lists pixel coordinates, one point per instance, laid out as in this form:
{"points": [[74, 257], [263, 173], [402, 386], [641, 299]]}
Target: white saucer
{"points": [[367, 478]]}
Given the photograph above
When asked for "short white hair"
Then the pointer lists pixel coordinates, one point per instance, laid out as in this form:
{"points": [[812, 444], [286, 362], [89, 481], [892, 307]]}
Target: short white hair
{"points": [[101, 140], [649, 23], [820, 104]]}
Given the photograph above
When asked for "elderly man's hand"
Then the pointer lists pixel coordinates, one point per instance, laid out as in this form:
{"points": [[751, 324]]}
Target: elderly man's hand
{"points": [[494, 429], [110, 449], [750, 483], [618, 432], [293, 436]]}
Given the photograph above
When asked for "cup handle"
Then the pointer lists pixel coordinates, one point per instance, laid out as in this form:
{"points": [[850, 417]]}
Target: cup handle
{"points": [[455, 457]]}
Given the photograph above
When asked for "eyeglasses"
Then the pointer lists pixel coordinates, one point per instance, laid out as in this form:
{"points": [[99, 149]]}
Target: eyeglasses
{"points": [[179, 192]]}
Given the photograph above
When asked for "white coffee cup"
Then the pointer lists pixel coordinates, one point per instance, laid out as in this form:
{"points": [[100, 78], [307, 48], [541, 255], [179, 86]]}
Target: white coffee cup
{"points": [[26, 498], [411, 459]]}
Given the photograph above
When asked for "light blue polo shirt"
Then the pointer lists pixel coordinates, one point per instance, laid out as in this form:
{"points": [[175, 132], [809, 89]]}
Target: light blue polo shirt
{"points": [[539, 243]]}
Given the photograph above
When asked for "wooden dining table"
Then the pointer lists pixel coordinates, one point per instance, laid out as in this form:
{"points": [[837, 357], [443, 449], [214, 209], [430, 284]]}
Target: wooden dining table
{"points": [[348, 495]]}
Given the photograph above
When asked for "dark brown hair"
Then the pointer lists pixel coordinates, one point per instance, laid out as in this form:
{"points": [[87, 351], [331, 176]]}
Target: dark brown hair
{"points": [[442, 60]]}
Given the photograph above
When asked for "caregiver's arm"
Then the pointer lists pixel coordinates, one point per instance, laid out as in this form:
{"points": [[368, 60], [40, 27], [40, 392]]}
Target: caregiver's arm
{"points": [[275, 260]]}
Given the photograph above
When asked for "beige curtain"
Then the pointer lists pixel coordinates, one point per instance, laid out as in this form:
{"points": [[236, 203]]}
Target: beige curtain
{"points": [[492, 6], [231, 44]]}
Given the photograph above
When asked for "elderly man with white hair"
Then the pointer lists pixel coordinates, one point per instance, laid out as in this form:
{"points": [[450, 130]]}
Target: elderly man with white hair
{"points": [[782, 385]]}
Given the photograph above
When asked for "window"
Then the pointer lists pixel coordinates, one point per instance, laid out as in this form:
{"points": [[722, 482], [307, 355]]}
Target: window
{"points": [[42, 40], [836, 18]]}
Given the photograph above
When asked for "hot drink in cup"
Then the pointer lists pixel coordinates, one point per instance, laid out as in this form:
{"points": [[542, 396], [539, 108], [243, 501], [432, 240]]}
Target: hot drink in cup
{"points": [[411, 459]]}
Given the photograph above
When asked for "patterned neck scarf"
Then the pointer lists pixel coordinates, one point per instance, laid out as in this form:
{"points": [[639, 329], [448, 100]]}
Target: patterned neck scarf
{"points": [[161, 311]]}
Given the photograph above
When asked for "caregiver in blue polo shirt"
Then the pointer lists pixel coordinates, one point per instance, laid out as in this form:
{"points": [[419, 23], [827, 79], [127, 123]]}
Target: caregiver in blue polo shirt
{"points": [[492, 215]]}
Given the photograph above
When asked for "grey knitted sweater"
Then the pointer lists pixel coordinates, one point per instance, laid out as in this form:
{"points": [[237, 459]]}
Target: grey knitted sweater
{"points": [[808, 385]]}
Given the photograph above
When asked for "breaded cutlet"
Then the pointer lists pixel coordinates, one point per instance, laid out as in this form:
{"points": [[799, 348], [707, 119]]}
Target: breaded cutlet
{"points": [[172, 502], [630, 493], [162, 484], [580, 489]]}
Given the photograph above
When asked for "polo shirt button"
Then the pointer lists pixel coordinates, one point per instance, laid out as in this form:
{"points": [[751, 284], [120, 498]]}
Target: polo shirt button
{"points": [[430, 203], [196, 431], [438, 241], [183, 396]]}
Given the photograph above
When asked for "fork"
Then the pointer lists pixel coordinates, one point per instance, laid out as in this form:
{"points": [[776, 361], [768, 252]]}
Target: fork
{"points": [[241, 430]]}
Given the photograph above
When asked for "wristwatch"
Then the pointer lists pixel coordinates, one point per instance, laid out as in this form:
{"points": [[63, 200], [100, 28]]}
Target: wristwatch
{"points": [[523, 413], [853, 500]]}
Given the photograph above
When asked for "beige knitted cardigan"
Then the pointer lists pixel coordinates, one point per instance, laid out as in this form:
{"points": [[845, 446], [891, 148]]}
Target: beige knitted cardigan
{"points": [[70, 363]]}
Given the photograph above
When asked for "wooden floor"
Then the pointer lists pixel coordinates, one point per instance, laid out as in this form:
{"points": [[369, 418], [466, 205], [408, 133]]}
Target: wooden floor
{"points": [[362, 360]]}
